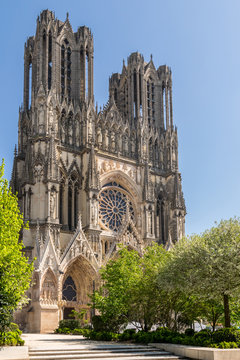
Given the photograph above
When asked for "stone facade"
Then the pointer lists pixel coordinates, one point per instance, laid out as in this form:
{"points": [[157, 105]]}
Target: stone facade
{"points": [[89, 179]]}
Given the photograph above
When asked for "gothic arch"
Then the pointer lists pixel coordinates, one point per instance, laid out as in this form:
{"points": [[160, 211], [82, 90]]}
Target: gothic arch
{"points": [[83, 275], [49, 289], [124, 180], [66, 35]]}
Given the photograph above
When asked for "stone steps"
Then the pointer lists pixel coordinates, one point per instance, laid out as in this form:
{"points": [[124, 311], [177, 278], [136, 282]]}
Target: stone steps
{"points": [[111, 352]]}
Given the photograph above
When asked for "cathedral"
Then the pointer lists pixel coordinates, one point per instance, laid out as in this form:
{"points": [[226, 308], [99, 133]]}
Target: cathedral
{"points": [[89, 179]]}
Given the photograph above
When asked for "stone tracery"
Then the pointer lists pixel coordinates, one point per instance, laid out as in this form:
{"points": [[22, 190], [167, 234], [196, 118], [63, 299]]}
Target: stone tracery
{"points": [[114, 203]]}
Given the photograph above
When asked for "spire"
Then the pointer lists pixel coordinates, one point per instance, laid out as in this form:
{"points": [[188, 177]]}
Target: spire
{"points": [[92, 181], [13, 182], [124, 67]]}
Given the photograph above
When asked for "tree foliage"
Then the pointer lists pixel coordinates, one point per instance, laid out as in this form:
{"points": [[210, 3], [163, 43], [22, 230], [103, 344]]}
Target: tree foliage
{"points": [[198, 279], [208, 268], [15, 272], [129, 292]]}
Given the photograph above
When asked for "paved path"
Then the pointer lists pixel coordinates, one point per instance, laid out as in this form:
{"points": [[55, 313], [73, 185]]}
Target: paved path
{"points": [[57, 340], [67, 347]]}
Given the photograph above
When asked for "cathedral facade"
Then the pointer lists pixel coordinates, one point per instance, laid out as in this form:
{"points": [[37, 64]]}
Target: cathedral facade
{"points": [[89, 179]]}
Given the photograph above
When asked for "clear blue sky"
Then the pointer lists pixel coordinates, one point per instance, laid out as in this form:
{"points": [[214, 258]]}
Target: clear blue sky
{"points": [[199, 40]]}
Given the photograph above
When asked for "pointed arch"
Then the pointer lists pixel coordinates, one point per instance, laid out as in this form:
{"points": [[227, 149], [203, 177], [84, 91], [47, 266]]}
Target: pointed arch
{"points": [[69, 290], [82, 274], [49, 289]]}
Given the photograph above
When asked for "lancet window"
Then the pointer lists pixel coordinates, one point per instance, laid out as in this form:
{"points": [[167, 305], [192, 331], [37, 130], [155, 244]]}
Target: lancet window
{"points": [[150, 101], [68, 201], [61, 199], [49, 60], [69, 291], [44, 55], [73, 192], [66, 69], [30, 82]]}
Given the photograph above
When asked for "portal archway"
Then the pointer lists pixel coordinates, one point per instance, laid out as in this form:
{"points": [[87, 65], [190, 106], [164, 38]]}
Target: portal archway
{"points": [[78, 283]]}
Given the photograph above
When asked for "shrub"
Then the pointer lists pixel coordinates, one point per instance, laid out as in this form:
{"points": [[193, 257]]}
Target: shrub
{"points": [[226, 335], [63, 330], [98, 323], [228, 345], [189, 332], [100, 335], [69, 323], [142, 337], [77, 332], [128, 334], [86, 333], [202, 338], [11, 338], [225, 345]]}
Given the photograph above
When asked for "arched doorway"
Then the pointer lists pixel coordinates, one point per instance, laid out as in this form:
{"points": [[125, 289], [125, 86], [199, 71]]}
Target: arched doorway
{"points": [[78, 283]]}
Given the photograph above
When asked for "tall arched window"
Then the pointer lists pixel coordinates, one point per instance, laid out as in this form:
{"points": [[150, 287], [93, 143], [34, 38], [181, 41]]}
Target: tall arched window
{"points": [[49, 60], [70, 205], [151, 102], [66, 69], [69, 291], [69, 73], [62, 70], [135, 93], [30, 83], [44, 56], [73, 193]]}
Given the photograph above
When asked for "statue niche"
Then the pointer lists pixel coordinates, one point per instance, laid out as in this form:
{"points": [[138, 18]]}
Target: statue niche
{"points": [[49, 287]]}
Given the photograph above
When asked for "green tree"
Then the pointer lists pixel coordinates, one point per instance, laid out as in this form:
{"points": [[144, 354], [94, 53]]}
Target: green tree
{"points": [[129, 292], [207, 267], [15, 272]]}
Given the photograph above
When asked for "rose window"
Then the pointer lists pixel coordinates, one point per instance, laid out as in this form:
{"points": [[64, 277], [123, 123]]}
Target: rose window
{"points": [[113, 204]]}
